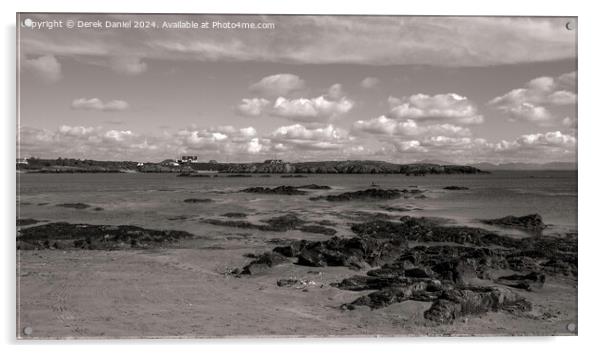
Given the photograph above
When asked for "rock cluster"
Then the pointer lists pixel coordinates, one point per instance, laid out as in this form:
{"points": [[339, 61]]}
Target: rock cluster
{"points": [[63, 235]]}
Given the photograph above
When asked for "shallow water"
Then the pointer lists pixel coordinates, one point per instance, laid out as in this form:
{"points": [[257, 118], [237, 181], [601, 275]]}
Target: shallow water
{"points": [[150, 200]]}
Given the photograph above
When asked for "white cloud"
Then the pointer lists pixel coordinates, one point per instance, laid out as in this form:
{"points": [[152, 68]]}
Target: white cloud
{"points": [[97, 104], [369, 82], [129, 65], [301, 137], [386, 126], [252, 106], [46, 67], [278, 85], [441, 107], [534, 101], [317, 109]]}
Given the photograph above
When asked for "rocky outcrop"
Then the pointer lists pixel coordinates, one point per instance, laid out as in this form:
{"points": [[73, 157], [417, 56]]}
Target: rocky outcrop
{"points": [[454, 187], [279, 190], [282, 223], [193, 200], [62, 235], [263, 263], [26, 221], [314, 187], [531, 223], [77, 206], [362, 195]]}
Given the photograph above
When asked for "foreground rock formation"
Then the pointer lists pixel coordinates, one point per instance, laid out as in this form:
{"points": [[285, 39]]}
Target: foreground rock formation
{"points": [[451, 277], [62, 235]]}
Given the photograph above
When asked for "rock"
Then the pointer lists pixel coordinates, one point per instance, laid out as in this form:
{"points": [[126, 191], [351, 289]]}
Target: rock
{"points": [[78, 205], [276, 224], [92, 237], [454, 187], [353, 252], [234, 215], [530, 281], [279, 190], [263, 263], [315, 187], [198, 200], [318, 229], [293, 176], [532, 223], [26, 221], [456, 303], [286, 222], [295, 283], [362, 195]]}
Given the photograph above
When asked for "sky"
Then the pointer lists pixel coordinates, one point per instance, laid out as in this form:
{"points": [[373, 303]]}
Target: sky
{"points": [[392, 88]]}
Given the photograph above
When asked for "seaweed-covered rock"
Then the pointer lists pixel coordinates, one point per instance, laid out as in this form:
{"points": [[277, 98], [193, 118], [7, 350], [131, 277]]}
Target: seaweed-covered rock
{"points": [[454, 187], [318, 229], [77, 205], [532, 223], [279, 190], [530, 281], [26, 221], [263, 263], [193, 200], [362, 195], [89, 236], [456, 303], [315, 187]]}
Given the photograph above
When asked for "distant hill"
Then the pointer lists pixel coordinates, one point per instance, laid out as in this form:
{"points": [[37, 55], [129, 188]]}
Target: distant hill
{"points": [[66, 165], [527, 166]]}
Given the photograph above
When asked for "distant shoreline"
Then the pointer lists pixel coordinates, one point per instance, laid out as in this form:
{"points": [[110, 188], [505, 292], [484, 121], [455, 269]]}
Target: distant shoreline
{"points": [[57, 166]]}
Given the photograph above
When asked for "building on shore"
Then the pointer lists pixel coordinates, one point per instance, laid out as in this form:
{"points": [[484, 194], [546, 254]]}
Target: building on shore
{"points": [[22, 161], [273, 161], [189, 159]]}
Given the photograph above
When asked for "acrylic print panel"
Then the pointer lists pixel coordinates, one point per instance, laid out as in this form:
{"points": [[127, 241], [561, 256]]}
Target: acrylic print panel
{"points": [[252, 176]]}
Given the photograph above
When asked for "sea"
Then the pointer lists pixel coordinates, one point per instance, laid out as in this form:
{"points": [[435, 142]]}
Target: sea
{"points": [[157, 200]]}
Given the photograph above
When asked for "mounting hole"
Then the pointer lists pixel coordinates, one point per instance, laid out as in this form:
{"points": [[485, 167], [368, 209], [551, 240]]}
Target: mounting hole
{"points": [[27, 330], [571, 327]]}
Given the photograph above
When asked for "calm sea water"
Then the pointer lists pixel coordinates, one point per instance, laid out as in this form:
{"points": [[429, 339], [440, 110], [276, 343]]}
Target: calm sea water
{"points": [[150, 200]]}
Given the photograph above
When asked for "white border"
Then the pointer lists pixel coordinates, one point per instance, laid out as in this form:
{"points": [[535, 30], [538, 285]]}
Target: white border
{"points": [[589, 172]]}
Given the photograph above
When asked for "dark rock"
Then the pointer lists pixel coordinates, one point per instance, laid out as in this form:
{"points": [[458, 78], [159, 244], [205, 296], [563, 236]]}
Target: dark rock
{"points": [[98, 209], [26, 221], [353, 252], [456, 303], [279, 190], [315, 187], [78, 205], [532, 223], [198, 200], [530, 281], [293, 176], [92, 237], [263, 263], [234, 215], [454, 187], [283, 223], [318, 229], [362, 195]]}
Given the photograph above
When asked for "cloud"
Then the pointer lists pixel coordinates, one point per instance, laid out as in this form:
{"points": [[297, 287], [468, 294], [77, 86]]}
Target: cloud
{"points": [[99, 105], [278, 85], [318, 109], [534, 101], [46, 67], [441, 107], [252, 106], [370, 40], [385, 126], [335, 92], [369, 82], [303, 138], [129, 65]]}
